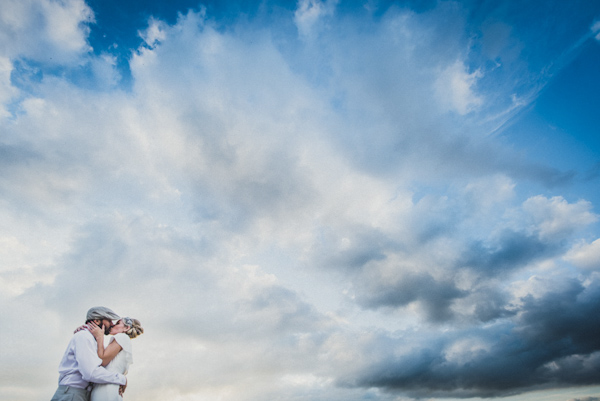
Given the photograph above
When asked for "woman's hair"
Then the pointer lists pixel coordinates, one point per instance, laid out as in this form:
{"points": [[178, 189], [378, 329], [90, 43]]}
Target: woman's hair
{"points": [[135, 327]]}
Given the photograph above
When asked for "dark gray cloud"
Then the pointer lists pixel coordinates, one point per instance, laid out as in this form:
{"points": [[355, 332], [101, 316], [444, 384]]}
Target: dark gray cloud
{"points": [[566, 319], [490, 304], [394, 269], [11, 155], [510, 251], [366, 244], [436, 296], [553, 341]]}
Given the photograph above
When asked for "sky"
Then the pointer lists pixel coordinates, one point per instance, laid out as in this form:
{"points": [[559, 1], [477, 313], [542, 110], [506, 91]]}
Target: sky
{"points": [[311, 200]]}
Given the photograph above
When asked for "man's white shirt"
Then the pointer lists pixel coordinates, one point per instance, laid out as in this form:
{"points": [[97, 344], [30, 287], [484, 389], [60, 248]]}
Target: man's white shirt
{"points": [[80, 364]]}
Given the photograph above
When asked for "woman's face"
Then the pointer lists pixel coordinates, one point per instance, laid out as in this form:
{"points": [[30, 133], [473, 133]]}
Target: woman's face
{"points": [[118, 328]]}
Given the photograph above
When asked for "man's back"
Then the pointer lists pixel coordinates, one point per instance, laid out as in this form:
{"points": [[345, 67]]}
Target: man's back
{"points": [[79, 360]]}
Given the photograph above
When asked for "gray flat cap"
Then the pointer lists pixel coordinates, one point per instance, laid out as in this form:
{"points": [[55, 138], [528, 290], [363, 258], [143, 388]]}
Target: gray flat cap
{"points": [[101, 312]]}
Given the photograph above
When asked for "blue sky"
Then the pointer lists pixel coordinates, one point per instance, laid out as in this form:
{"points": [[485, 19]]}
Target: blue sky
{"points": [[312, 200]]}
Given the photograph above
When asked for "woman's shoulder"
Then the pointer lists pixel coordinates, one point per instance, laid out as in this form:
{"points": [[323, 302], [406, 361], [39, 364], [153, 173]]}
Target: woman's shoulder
{"points": [[122, 339], [125, 342]]}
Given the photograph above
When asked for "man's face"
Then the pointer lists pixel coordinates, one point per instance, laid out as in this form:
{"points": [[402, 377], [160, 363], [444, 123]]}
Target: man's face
{"points": [[107, 326]]}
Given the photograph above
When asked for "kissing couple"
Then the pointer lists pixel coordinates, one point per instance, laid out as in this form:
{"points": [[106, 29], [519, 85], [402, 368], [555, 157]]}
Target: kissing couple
{"points": [[89, 371]]}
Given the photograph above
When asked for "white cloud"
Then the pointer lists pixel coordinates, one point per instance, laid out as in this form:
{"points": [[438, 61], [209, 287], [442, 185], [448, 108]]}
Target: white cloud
{"points": [[104, 71], [65, 26], [455, 87], [309, 12], [585, 256], [555, 217], [465, 349], [7, 91], [53, 32], [155, 33], [46, 32], [596, 29]]}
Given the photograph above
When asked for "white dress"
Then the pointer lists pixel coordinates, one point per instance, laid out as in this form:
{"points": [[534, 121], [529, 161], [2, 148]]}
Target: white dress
{"points": [[119, 364]]}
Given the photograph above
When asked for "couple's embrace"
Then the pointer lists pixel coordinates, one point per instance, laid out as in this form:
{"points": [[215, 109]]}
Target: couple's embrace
{"points": [[91, 371]]}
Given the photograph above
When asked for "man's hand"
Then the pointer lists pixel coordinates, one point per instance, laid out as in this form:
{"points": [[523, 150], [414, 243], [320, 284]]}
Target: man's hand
{"points": [[84, 327], [122, 388]]}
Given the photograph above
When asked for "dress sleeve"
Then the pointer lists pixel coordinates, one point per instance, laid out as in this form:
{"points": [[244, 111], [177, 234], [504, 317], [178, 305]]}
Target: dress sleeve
{"points": [[125, 343]]}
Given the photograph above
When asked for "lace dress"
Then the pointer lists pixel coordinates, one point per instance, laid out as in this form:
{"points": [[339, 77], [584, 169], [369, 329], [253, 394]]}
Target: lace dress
{"points": [[119, 364]]}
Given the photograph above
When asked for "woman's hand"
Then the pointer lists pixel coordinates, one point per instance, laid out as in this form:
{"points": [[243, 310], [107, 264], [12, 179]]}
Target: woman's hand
{"points": [[84, 327], [97, 332]]}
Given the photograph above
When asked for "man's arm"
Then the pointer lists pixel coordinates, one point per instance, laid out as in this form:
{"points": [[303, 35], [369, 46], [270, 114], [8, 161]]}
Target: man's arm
{"points": [[89, 364]]}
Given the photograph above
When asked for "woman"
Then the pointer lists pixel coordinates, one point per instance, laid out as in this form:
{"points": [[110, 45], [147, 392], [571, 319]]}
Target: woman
{"points": [[117, 356]]}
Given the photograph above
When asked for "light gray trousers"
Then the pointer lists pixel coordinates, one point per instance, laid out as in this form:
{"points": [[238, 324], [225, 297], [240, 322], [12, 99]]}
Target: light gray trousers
{"points": [[66, 393]]}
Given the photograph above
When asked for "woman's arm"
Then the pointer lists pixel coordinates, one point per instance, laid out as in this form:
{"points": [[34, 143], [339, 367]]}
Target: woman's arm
{"points": [[106, 354], [110, 352], [98, 333]]}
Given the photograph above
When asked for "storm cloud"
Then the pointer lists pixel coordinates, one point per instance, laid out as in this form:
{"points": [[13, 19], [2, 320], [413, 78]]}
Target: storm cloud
{"points": [[551, 342]]}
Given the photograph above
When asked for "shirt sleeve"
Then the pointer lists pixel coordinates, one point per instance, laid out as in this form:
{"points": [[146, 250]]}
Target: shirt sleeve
{"points": [[89, 363]]}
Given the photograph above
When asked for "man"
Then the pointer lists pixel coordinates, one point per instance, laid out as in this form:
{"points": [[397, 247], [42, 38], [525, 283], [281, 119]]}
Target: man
{"points": [[80, 365]]}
